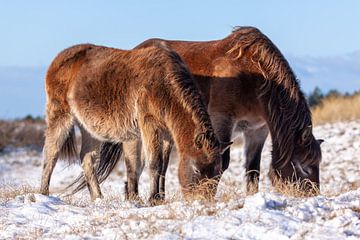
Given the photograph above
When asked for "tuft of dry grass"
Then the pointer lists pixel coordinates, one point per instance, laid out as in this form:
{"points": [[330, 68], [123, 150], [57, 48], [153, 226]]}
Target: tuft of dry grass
{"points": [[302, 189], [356, 209], [203, 191], [9, 192], [337, 108]]}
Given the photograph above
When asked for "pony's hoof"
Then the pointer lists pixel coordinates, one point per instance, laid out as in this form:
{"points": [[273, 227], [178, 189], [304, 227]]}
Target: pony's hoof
{"points": [[95, 197], [44, 192], [134, 198], [156, 200]]}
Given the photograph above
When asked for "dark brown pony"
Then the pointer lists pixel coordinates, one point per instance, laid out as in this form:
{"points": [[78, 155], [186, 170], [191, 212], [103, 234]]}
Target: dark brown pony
{"points": [[119, 96], [248, 86]]}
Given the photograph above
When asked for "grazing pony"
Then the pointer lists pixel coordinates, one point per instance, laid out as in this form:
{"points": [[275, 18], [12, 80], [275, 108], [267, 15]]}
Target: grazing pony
{"points": [[118, 96], [247, 86]]}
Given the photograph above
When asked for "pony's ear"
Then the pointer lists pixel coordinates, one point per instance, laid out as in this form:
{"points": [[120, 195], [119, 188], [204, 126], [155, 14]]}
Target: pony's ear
{"points": [[199, 140], [320, 141], [305, 136], [224, 146]]}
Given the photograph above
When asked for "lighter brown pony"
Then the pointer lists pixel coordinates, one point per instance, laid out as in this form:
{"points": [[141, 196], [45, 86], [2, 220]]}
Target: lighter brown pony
{"points": [[119, 96]]}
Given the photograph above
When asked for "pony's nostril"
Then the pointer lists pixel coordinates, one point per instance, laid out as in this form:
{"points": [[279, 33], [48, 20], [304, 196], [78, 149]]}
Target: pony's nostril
{"points": [[218, 169], [196, 171]]}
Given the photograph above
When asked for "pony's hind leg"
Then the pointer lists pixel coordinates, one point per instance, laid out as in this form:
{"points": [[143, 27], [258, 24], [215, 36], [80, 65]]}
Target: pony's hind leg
{"points": [[134, 162], [90, 175], [254, 143], [89, 157], [165, 162], [58, 133]]}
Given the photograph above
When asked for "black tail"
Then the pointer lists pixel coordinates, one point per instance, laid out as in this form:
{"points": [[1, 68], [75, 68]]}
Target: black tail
{"points": [[69, 151], [110, 154]]}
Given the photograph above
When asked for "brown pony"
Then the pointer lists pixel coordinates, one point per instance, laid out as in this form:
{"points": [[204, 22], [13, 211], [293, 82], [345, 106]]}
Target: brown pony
{"points": [[248, 86], [119, 96]]}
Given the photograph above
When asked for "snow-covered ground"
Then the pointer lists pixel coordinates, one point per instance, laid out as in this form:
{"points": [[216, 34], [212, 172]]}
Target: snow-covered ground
{"points": [[335, 214]]}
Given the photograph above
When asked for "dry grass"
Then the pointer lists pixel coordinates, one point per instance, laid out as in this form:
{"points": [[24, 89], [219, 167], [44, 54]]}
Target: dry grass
{"points": [[337, 108], [9, 192], [296, 188], [203, 191], [22, 133], [356, 209]]}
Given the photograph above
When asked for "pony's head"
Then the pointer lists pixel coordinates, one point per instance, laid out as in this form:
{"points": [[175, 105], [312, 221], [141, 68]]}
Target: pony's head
{"points": [[302, 167], [200, 171]]}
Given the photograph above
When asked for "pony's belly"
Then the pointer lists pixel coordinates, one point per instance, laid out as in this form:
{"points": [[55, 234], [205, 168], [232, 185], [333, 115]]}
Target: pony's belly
{"points": [[106, 127], [106, 131]]}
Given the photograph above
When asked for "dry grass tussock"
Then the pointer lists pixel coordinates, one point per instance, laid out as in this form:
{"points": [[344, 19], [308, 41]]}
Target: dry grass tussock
{"points": [[337, 108], [295, 189], [9, 192], [356, 209], [204, 191], [22, 133]]}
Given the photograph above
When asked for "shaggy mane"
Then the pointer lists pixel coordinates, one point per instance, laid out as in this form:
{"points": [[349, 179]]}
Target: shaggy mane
{"points": [[288, 111]]}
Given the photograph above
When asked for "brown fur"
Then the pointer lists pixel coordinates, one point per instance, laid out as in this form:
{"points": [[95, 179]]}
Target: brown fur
{"points": [[120, 96], [249, 87]]}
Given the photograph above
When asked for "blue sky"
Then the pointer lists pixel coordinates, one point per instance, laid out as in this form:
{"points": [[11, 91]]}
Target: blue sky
{"points": [[33, 32]]}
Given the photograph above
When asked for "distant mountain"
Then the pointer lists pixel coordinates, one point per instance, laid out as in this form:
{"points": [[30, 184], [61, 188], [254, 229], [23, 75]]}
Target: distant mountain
{"points": [[335, 72], [22, 88]]}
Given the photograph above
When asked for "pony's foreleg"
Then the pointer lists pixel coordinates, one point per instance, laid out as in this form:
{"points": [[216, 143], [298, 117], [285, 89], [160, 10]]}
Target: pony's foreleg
{"points": [[254, 143], [152, 144], [165, 162], [90, 175], [57, 133], [134, 162], [223, 127]]}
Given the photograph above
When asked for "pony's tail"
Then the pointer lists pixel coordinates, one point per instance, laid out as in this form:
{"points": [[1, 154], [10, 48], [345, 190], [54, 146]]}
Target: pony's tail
{"points": [[110, 154], [68, 150]]}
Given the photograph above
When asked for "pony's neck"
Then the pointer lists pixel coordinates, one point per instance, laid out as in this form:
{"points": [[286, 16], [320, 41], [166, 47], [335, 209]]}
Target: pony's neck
{"points": [[285, 105]]}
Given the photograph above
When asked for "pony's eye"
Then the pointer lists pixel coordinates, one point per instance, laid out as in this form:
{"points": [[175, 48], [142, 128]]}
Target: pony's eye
{"points": [[307, 170]]}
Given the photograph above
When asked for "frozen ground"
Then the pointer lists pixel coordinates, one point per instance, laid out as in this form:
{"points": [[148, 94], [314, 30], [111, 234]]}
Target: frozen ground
{"points": [[335, 214]]}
